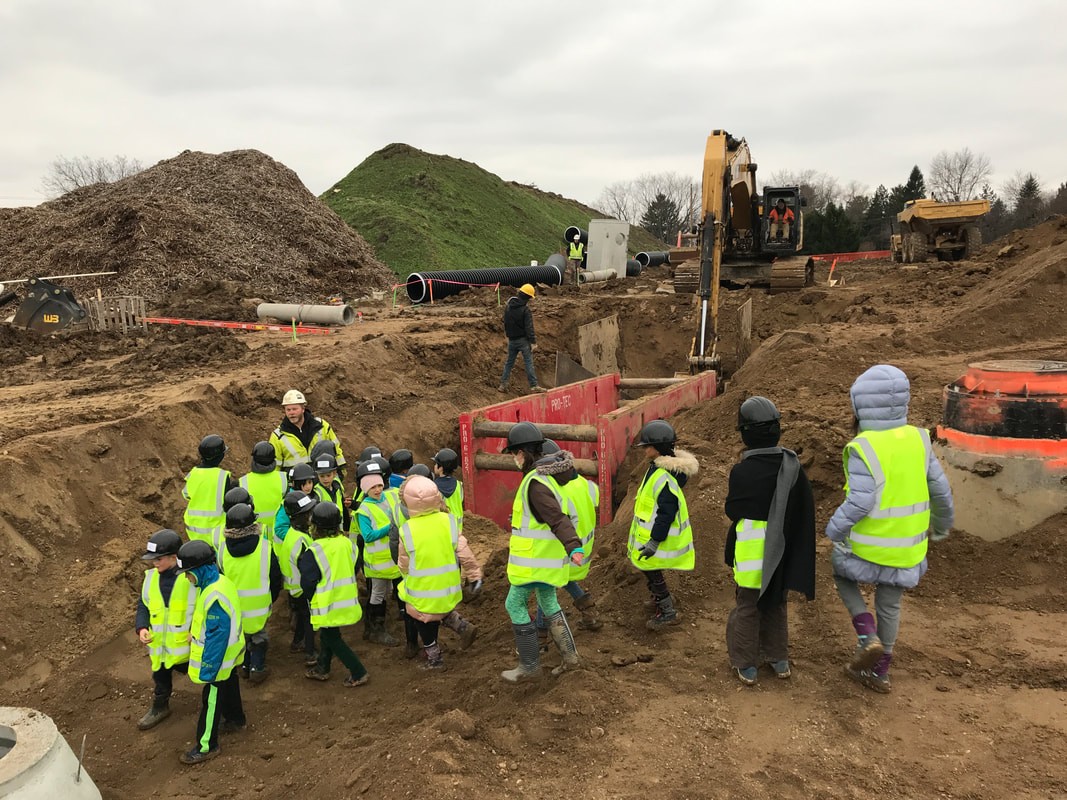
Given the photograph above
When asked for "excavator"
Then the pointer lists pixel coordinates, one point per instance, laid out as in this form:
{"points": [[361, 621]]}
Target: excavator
{"points": [[736, 245]]}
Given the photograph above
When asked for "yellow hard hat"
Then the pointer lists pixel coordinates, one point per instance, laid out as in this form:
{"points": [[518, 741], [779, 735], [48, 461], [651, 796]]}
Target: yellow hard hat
{"points": [[294, 397], [526, 288]]}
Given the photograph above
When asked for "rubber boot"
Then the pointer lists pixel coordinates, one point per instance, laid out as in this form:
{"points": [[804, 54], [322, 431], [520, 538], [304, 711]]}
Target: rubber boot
{"points": [[560, 632], [587, 605], [411, 635], [378, 633], [159, 711], [465, 628], [434, 659], [869, 649], [665, 616], [529, 665], [651, 604]]}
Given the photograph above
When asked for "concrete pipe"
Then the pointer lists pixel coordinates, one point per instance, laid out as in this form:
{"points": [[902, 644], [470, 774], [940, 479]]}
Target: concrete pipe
{"points": [[633, 268], [596, 276], [36, 762], [653, 259], [446, 283], [323, 315], [568, 235]]}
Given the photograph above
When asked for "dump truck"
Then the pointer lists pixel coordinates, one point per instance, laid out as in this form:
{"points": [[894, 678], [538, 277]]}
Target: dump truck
{"points": [[947, 230]]}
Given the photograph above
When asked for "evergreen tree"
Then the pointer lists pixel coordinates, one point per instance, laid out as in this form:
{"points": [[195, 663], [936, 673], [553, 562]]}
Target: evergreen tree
{"points": [[914, 189], [830, 231], [1029, 205], [878, 219], [662, 218], [996, 223], [1058, 203]]}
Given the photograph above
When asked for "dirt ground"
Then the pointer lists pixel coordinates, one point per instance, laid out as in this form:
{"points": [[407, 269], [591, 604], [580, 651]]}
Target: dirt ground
{"points": [[96, 433]]}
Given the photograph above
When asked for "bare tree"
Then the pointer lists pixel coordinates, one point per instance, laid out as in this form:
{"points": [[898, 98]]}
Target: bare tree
{"points": [[819, 188], [960, 175], [68, 174], [619, 200], [628, 200]]}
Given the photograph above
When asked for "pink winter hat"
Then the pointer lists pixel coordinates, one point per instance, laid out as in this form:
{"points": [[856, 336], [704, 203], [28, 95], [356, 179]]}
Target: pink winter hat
{"points": [[368, 482], [421, 495]]}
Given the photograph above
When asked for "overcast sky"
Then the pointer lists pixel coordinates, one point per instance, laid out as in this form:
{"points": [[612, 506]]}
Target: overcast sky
{"points": [[570, 96]]}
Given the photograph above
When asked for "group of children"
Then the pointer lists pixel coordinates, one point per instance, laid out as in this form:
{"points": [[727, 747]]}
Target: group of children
{"points": [[402, 530]]}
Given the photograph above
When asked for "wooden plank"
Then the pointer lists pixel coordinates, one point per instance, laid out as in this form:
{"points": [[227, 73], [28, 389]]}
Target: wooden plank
{"points": [[564, 432]]}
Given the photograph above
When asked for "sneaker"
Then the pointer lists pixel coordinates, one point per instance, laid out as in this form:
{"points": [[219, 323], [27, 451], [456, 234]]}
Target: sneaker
{"points": [[315, 675], [229, 726], [781, 668], [352, 681], [311, 660], [873, 681], [538, 389], [502, 389], [747, 675], [868, 652], [198, 757]]}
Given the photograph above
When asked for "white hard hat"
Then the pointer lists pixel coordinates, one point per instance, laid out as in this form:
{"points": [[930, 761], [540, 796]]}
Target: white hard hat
{"points": [[294, 397], [577, 237]]}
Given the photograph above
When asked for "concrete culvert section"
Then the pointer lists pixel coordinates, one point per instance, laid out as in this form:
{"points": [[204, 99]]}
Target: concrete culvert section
{"points": [[36, 763]]}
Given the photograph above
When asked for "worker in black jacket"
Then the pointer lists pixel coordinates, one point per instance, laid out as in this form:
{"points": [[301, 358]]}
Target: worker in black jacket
{"points": [[519, 330], [770, 545]]}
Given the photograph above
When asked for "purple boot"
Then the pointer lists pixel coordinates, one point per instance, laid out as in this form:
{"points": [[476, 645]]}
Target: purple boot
{"points": [[870, 649]]}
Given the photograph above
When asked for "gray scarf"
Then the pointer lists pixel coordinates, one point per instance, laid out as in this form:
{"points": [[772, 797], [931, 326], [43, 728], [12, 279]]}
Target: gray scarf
{"points": [[774, 544]]}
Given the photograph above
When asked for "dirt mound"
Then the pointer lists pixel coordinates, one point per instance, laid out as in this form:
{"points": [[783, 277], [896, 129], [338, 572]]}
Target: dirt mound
{"points": [[239, 216]]}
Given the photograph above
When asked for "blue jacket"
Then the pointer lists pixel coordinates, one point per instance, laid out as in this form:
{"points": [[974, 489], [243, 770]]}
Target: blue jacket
{"points": [[281, 524], [395, 480], [366, 529], [216, 626], [880, 398]]}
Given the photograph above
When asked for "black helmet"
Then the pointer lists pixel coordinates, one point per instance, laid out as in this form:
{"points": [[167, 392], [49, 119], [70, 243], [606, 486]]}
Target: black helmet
{"points": [[263, 457], [383, 462], [301, 473], [325, 463], [756, 411], [447, 459], [549, 447], [321, 448], [212, 448], [369, 467], [523, 434], [297, 502], [240, 516], [420, 469], [162, 543], [326, 517], [368, 451], [657, 433], [195, 554], [238, 494], [401, 460]]}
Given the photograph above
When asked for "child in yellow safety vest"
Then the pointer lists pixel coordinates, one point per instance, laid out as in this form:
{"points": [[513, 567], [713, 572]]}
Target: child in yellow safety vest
{"points": [[248, 560], [290, 541], [329, 488], [433, 556], [328, 580], [205, 487], [896, 498], [770, 544], [266, 485], [445, 463], [164, 613], [375, 521]]}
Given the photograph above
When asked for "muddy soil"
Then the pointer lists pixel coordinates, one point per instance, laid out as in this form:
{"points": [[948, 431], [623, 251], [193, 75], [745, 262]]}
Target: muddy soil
{"points": [[96, 433]]}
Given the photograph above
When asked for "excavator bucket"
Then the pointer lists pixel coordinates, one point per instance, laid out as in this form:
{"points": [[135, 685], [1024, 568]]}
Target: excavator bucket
{"points": [[47, 308]]}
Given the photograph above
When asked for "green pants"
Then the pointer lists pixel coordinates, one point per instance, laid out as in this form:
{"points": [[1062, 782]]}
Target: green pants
{"points": [[518, 600]]}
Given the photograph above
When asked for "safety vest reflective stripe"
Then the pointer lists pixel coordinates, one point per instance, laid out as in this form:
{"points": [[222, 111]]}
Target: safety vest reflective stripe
{"points": [[894, 532], [582, 497], [455, 503], [204, 518], [268, 490], [222, 591], [677, 551], [377, 558], [433, 580], [301, 456], [251, 577], [336, 601], [535, 555], [169, 623], [294, 457], [576, 250], [288, 551], [748, 553]]}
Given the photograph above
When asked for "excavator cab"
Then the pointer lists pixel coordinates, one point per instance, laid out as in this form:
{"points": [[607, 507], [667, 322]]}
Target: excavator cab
{"points": [[783, 223]]}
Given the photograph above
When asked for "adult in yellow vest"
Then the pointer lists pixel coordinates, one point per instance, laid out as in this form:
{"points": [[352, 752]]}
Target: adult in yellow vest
{"points": [[299, 432], [770, 544], [205, 487], [575, 259], [432, 554], [661, 537], [248, 559], [542, 549], [581, 497], [896, 496], [216, 650], [328, 580], [266, 485], [289, 545], [164, 613]]}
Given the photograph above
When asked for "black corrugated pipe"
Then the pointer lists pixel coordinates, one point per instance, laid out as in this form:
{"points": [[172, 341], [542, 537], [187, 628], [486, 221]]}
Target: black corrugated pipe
{"points": [[633, 268], [653, 259], [449, 282], [568, 235], [556, 260]]}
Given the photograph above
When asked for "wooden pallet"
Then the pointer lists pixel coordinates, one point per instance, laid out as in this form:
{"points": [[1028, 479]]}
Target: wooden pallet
{"points": [[121, 314]]}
